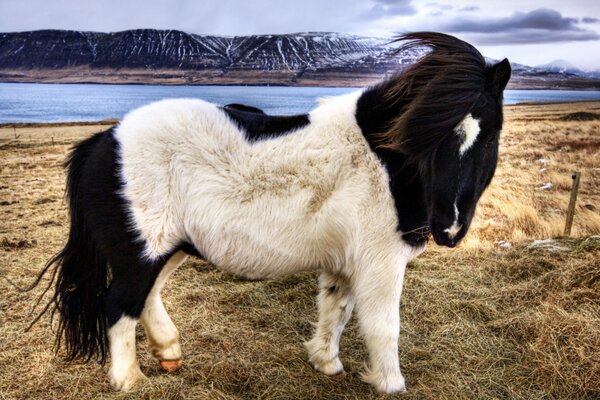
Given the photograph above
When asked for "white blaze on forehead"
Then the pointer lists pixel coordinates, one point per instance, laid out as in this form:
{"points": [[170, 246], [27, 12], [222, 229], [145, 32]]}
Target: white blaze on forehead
{"points": [[467, 129], [455, 228]]}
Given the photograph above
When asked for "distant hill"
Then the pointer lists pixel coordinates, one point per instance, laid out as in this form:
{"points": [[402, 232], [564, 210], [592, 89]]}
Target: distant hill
{"points": [[175, 57]]}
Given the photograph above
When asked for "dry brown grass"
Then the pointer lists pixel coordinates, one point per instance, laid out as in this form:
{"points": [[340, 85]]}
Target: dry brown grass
{"points": [[538, 148], [477, 322]]}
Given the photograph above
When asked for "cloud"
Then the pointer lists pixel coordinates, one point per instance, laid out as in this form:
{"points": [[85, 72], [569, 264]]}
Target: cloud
{"points": [[441, 9], [589, 20], [440, 6], [387, 8], [537, 26]]}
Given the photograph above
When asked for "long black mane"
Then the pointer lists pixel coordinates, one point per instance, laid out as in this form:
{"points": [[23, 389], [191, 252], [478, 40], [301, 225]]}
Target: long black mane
{"points": [[422, 104]]}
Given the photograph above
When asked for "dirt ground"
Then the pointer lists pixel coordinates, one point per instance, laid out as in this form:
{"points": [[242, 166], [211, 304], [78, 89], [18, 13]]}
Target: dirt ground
{"points": [[488, 320]]}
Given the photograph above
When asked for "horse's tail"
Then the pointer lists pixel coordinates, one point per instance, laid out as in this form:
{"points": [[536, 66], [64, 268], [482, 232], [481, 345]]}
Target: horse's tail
{"points": [[79, 271]]}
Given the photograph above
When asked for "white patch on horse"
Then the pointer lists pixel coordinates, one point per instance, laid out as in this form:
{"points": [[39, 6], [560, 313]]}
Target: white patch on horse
{"points": [[124, 370], [455, 227], [468, 129]]}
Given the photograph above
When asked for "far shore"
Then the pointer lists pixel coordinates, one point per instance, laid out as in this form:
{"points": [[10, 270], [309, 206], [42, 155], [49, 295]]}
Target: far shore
{"points": [[240, 77]]}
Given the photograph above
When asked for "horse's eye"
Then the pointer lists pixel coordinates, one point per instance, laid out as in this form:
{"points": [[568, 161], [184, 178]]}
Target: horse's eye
{"points": [[492, 139]]}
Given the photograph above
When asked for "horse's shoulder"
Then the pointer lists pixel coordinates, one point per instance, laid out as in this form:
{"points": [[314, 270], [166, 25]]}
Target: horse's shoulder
{"points": [[258, 125]]}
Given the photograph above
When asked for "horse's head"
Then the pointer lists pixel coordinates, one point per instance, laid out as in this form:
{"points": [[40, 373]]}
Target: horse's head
{"points": [[463, 164], [445, 117]]}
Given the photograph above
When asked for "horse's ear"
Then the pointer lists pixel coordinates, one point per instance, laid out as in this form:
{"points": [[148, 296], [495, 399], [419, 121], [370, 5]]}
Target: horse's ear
{"points": [[497, 77]]}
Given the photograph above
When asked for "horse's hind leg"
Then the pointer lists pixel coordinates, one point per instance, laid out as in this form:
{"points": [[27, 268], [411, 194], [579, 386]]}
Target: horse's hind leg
{"points": [[163, 336], [335, 309], [132, 281], [124, 370]]}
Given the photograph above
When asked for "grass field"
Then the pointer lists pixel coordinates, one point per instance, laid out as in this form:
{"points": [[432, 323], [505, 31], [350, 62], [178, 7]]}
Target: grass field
{"points": [[481, 321]]}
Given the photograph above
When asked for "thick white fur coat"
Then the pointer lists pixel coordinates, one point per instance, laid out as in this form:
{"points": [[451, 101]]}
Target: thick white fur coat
{"points": [[318, 197]]}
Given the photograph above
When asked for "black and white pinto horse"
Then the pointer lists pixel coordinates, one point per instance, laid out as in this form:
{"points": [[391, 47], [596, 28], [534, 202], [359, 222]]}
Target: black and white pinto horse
{"points": [[353, 189]]}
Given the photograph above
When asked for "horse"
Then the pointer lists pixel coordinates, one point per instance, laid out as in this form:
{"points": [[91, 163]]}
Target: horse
{"points": [[353, 189]]}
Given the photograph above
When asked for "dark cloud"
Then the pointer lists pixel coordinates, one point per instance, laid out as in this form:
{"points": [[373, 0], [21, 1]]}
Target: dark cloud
{"points": [[388, 8], [589, 20], [537, 26], [537, 19]]}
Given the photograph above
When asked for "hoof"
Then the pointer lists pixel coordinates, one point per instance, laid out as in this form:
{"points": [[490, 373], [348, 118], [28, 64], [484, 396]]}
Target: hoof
{"points": [[170, 366], [128, 381], [339, 376], [391, 383], [332, 368]]}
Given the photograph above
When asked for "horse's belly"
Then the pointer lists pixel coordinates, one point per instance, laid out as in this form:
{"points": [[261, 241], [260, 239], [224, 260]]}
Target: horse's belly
{"points": [[268, 237], [256, 259]]}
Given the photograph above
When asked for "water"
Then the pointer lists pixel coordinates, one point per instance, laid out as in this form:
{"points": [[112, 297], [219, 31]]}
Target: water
{"points": [[31, 102]]}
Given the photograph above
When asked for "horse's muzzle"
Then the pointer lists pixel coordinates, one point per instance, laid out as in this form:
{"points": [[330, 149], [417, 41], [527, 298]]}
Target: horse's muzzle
{"points": [[447, 234]]}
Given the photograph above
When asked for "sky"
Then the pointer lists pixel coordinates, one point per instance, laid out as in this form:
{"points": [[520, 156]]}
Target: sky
{"points": [[528, 32]]}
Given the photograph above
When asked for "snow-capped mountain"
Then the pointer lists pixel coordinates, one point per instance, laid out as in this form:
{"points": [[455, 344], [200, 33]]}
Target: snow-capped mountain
{"points": [[156, 49], [560, 66], [566, 67], [175, 57]]}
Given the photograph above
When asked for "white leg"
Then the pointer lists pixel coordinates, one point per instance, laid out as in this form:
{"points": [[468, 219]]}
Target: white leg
{"points": [[124, 369], [335, 308], [163, 336], [377, 288]]}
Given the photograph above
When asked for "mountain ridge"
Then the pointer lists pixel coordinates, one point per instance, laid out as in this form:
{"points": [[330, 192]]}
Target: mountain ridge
{"points": [[177, 57]]}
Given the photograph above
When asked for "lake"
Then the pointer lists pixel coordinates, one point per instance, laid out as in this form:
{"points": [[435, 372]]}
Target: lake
{"points": [[35, 102]]}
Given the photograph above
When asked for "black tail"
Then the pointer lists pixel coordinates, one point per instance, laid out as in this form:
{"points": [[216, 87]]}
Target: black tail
{"points": [[80, 272]]}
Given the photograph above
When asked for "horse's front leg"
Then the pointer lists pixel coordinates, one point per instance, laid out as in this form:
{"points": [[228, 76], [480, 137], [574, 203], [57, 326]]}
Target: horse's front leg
{"points": [[377, 287], [335, 308]]}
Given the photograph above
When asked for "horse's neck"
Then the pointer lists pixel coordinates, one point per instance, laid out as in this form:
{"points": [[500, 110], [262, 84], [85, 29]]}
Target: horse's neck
{"points": [[373, 114]]}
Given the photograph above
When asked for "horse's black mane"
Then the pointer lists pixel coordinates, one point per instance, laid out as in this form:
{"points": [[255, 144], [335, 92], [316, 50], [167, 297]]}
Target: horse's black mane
{"points": [[431, 96]]}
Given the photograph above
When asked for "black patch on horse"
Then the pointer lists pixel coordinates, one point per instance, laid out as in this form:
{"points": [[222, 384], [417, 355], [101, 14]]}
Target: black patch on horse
{"points": [[99, 275], [259, 126], [190, 250], [373, 114], [243, 107]]}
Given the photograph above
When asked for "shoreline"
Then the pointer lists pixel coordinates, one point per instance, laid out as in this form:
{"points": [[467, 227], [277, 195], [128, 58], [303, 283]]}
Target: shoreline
{"points": [[113, 121]]}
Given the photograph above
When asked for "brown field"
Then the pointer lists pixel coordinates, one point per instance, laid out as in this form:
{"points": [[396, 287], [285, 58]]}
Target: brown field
{"points": [[481, 321]]}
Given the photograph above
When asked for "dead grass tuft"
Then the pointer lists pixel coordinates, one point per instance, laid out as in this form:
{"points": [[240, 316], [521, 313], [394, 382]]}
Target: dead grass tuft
{"points": [[478, 322], [15, 244]]}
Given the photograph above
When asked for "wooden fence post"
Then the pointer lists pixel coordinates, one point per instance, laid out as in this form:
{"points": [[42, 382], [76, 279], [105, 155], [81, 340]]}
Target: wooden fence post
{"points": [[572, 200]]}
